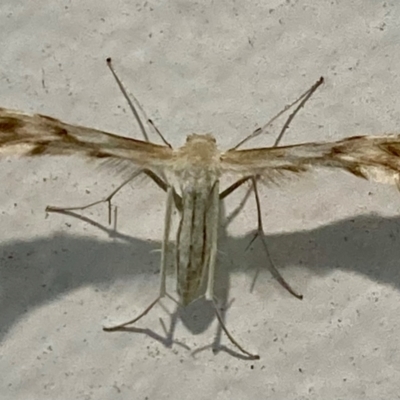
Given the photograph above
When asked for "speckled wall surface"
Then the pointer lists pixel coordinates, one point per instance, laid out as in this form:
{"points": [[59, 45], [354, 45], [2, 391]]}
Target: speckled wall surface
{"points": [[222, 67]]}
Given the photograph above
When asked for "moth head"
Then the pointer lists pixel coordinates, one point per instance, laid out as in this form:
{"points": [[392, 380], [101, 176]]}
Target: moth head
{"points": [[199, 150]]}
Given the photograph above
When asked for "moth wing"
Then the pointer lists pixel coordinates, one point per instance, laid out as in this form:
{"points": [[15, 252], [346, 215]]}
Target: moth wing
{"points": [[35, 135], [376, 158]]}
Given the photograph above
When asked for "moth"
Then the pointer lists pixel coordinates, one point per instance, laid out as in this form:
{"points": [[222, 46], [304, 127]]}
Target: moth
{"points": [[190, 176]]}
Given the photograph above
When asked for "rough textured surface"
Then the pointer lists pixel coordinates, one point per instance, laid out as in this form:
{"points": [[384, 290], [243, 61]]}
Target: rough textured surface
{"points": [[222, 67]]}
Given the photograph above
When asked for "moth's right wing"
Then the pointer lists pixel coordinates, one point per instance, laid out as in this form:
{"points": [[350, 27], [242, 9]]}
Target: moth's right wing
{"points": [[376, 158], [35, 135]]}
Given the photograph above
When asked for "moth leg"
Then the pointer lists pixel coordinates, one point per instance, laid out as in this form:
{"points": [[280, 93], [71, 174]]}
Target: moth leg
{"points": [[230, 337], [212, 216], [163, 267], [260, 233], [159, 182], [233, 187], [212, 230]]}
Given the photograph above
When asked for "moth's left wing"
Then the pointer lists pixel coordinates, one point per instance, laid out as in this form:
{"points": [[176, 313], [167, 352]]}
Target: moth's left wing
{"points": [[36, 135], [376, 158]]}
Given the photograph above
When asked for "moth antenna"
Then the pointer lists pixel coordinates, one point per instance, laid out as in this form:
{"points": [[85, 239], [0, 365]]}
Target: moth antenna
{"points": [[302, 99], [150, 122], [306, 95], [133, 108], [127, 98]]}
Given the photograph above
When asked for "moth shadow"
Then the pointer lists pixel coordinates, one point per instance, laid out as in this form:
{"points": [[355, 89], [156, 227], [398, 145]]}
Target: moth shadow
{"points": [[37, 272], [367, 245]]}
